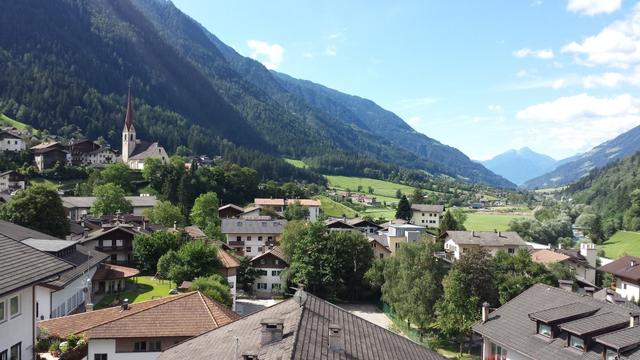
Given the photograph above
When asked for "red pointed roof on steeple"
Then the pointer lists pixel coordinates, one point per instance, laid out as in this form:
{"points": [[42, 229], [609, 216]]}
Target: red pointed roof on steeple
{"points": [[128, 120]]}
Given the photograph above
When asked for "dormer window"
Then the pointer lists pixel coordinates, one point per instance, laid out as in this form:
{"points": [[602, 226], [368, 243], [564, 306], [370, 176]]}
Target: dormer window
{"points": [[576, 342], [545, 330], [611, 355]]}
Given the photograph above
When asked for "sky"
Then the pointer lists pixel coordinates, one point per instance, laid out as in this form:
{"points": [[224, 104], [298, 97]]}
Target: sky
{"points": [[558, 76]]}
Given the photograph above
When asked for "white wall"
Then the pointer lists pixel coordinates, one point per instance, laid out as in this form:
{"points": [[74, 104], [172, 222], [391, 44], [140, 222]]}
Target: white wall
{"points": [[425, 218], [511, 354], [12, 145], [314, 212], [268, 279], [108, 346], [627, 290], [67, 294], [21, 327], [43, 299]]}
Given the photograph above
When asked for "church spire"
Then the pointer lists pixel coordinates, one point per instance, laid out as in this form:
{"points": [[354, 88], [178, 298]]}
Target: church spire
{"points": [[128, 120]]}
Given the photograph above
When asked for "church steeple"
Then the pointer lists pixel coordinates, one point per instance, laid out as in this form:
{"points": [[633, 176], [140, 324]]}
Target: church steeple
{"points": [[128, 132], [128, 120]]}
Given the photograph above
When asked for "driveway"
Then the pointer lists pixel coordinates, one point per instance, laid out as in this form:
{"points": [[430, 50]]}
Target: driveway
{"points": [[370, 313], [249, 306]]}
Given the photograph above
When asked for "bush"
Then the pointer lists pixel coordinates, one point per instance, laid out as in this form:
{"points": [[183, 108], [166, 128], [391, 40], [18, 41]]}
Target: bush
{"points": [[54, 346], [42, 345]]}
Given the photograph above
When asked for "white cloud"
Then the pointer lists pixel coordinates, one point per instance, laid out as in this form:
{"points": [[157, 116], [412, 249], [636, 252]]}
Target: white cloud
{"points": [[612, 79], [576, 123], [495, 108], [331, 50], [307, 55], [270, 55], [593, 7], [414, 121], [617, 45], [543, 54], [535, 3]]}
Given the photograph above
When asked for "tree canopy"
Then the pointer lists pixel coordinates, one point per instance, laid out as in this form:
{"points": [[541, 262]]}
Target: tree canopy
{"points": [[39, 208], [194, 259], [165, 213], [148, 248], [215, 287], [404, 209], [110, 199]]}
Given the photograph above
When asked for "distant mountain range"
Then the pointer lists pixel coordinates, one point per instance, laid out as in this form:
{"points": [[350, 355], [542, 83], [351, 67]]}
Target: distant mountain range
{"points": [[520, 165], [65, 66], [576, 167]]}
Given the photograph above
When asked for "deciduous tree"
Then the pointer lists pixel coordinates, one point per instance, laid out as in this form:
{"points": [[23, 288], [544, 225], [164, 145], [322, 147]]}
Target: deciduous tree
{"points": [[165, 213], [110, 199], [39, 208]]}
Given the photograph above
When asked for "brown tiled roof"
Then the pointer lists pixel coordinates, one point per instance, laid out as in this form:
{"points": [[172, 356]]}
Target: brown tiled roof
{"points": [[194, 232], [275, 251], [548, 257], [304, 202], [228, 261], [627, 267], [306, 331], [485, 238], [269, 202], [184, 315], [114, 272]]}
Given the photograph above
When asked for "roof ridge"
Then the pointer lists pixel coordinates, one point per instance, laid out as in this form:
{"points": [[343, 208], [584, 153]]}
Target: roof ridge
{"points": [[208, 310]]}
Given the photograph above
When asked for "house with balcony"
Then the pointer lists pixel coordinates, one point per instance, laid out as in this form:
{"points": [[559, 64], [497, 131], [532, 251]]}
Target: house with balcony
{"points": [[280, 205], [626, 272], [115, 240], [251, 237], [11, 141], [366, 226], [270, 265], [426, 215], [548, 323], [457, 243], [141, 331], [12, 181], [23, 269]]}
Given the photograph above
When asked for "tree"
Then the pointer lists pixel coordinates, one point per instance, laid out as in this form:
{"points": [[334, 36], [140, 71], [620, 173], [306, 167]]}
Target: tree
{"points": [[404, 209], [375, 274], [165, 213], [448, 222], [110, 199], [413, 283], [39, 208], [296, 211], [117, 173], [418, 196], [458, 310], [370, 190], [148, 248], [516, 273], [597, 233], [328, 264], [194, 259], [205, 210], [214, 286], [247, 274], [398, 194]]}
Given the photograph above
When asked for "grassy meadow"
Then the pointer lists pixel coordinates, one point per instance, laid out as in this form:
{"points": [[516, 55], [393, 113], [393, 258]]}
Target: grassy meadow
{"points": [[7, 121], [622, 243]]}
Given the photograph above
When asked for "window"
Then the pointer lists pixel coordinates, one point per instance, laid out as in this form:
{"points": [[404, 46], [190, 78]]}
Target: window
{"points": [[270, 238], [544, 330], [14, 306], [114, 258], [3, 355], [275, 286], [262, 262], [140, 346], [2, 314], [262, 286], [259, 238], [99, 356], [154, 345], [262, 272], [248, 238], [275, 273], [276, 261], [16, 352], [497, 353], [511, 250], [248, 249], [238, 238], [576, 342], [381, 256], [260, 249]]}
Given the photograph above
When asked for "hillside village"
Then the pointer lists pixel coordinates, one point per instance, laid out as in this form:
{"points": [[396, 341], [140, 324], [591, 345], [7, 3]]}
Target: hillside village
{"points": [[163, 197]]}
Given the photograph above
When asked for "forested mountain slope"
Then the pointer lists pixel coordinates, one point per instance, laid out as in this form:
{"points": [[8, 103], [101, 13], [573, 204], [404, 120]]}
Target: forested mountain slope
{"points": [[66, 64]]}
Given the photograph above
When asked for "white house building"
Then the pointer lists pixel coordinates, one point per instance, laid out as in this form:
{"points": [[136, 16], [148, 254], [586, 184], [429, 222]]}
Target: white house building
{"points": [[426, 215], [23, 268], [11, 142], [134, 150], [280, 206], [141, 331], [626, 271], [252, 237], [402, 233], [270, 264], [77, 207], [582, 263], [11, 181], [457, 243]]}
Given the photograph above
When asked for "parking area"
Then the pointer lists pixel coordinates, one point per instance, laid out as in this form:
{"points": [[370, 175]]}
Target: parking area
{"points": [[370, 313]]}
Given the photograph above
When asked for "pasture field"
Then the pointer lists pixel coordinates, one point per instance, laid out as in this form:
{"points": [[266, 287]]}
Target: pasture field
{"points": [[622, 243]]}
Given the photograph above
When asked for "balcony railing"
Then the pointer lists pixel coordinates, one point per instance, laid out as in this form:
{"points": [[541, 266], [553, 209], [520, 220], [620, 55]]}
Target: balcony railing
{"points": [[115, 248]]}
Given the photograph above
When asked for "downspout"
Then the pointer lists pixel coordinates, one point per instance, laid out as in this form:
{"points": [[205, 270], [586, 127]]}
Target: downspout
{"points": [[33, 322]]}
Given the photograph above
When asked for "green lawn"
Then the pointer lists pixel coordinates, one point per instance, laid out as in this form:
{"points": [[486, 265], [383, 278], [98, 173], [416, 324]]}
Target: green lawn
{"points": [[382, 190], [622, 243], [489, 221], [297, 163], [147, 289], [7, 121], [335, 209], [64, 185]]}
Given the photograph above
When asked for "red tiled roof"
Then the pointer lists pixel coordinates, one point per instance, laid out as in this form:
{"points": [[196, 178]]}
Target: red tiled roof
{"points": [[114, 272], [228, 261]]}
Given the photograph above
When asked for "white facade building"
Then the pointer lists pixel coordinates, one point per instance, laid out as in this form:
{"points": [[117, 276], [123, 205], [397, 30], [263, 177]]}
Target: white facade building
{"points": [[426, 215], [626, 271], [270, 265], [11, 142], [456, 243]]}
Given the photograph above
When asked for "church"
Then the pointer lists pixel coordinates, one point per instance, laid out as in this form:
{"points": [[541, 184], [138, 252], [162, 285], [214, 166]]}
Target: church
{"points": [[134, 150]]}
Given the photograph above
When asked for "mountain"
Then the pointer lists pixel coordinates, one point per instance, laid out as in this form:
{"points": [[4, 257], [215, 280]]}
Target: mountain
{"points": [[574, 168], [66, 65], [520, 165]]}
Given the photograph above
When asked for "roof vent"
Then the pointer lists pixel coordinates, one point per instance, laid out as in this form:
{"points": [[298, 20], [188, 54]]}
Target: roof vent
{"points": [[566, 285], [485, 312], [272, 330], [336, 340], [249, 356], [125, 304], [634, 319]]}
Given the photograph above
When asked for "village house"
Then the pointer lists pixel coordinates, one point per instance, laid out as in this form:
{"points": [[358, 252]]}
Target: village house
{"points": [[380, 249], [18, 306], [279, 206], [303, 327], [77, 207], [88, 152], [10, 141], [626, 271], [134, 150], [547, 323], [11, 181], [115, 240], [141, 331], [335, 224], [47, 154], [366, 226], [398, 234], [270, 265], [456, 243], [229, 211], [251, 237], [582, 263], [426, 215]]}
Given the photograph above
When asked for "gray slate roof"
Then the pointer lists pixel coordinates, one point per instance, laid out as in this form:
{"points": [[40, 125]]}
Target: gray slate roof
{"points": [[511, 327], [83, 259], [49, 245], [592, 324], [23, 265], [306, 330], [245, 226], [145, 149], [427, 208], [87, 201], [19, 233], [621, 339], [486, 238]]}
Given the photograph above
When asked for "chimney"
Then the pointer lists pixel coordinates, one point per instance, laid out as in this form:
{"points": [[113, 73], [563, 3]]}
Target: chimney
{"points": [[634, 319], [125, 304], [499, 233], [175, 225], [589, 290], [566, 285], [272, 330], [590, 253], [336, 340], [250, 356], [485, 312], [473, 233]]}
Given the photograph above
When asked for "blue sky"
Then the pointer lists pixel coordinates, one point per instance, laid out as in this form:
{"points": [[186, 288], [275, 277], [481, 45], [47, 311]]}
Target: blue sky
{"points": [[558, 76]]}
